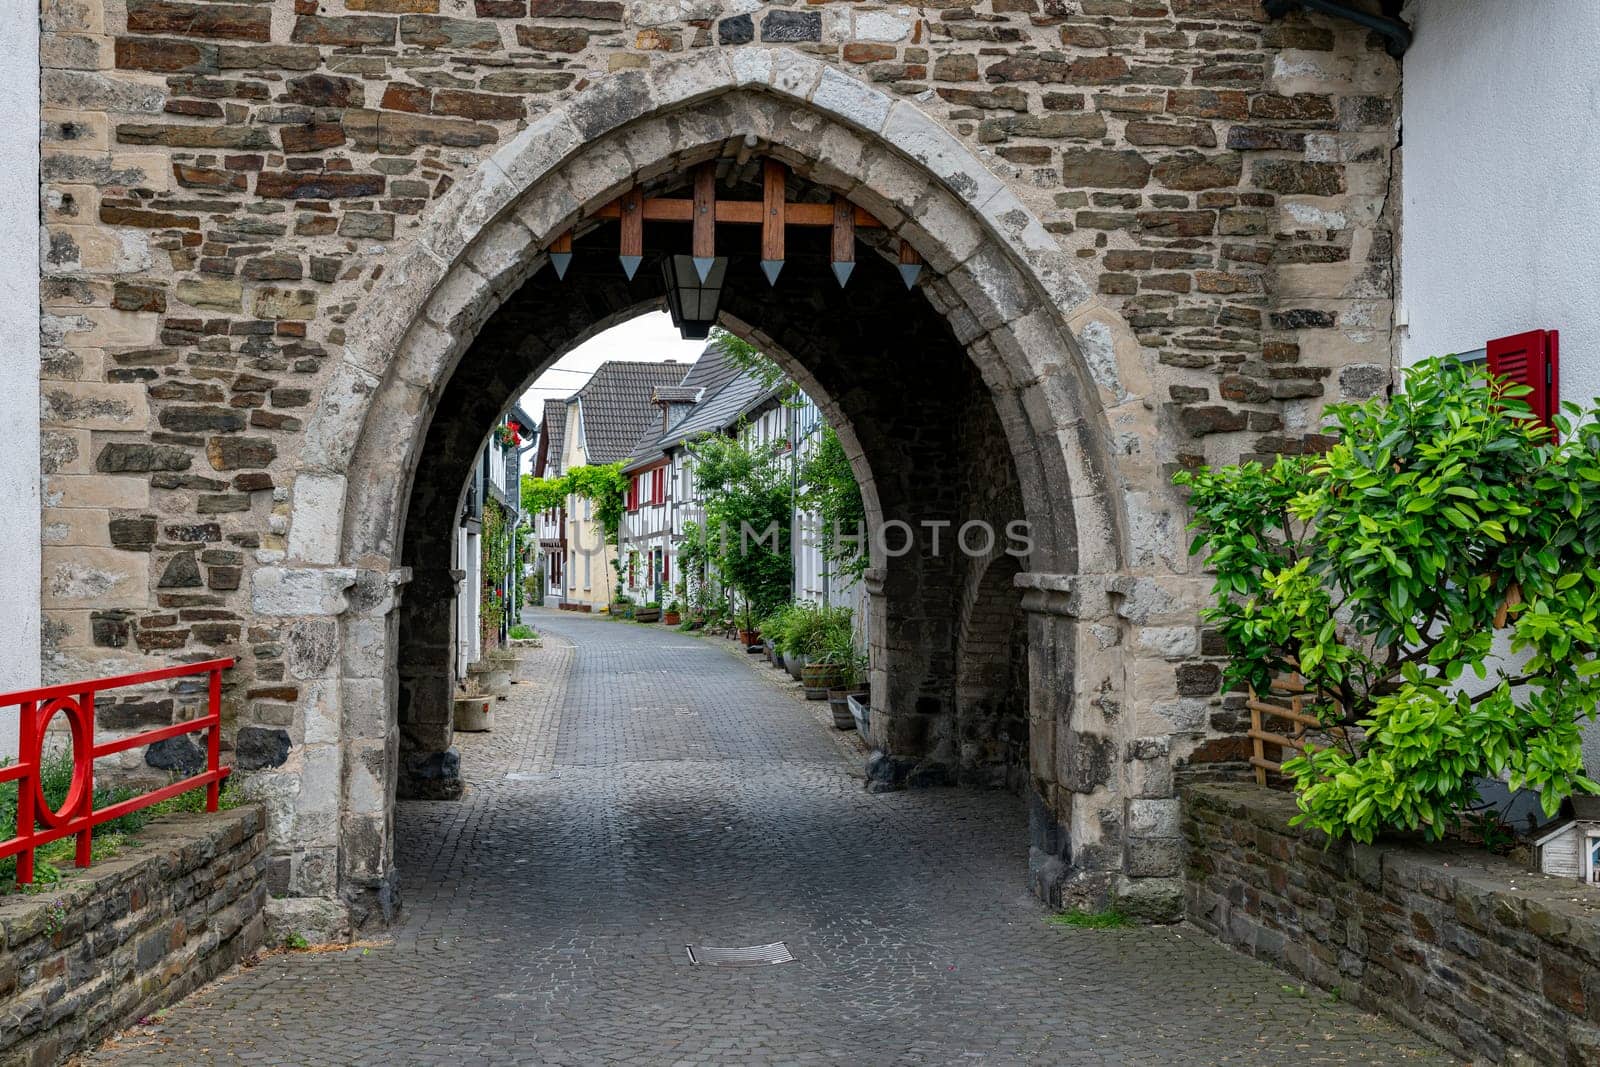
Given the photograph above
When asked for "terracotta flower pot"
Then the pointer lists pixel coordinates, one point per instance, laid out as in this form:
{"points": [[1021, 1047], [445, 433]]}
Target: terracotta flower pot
{"points": [[671, 618]]}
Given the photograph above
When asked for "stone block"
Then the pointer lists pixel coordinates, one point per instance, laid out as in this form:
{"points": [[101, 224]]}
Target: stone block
{"points": [[317, 518], [284, 591]]}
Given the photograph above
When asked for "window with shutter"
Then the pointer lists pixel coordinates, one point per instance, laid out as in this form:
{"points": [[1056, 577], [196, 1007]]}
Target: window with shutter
{"points": [[1532, 359]]}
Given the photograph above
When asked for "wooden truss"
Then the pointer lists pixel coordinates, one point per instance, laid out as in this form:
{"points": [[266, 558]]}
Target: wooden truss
{"points": [[773, 213]]}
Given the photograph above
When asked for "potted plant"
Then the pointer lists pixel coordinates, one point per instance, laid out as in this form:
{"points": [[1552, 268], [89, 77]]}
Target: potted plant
{"points": [[622, 606], [746, 621], [650, 612], [673, 615], [830, 648], [800, 625], [772, 634], [853, 671]]}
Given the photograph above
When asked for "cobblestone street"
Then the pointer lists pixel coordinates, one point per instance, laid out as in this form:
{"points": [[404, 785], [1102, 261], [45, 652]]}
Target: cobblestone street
{"points": [[644, 790]]}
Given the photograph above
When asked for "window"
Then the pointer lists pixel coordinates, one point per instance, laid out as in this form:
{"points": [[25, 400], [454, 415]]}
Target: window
{"points": [[1591, 852]]}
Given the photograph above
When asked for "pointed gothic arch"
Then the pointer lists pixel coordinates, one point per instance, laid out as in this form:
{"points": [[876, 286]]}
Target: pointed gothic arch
{"points": [[1081, 433]]}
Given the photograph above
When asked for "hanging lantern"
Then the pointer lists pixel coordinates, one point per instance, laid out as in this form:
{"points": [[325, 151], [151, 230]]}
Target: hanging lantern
{"points": [[693, 296]]}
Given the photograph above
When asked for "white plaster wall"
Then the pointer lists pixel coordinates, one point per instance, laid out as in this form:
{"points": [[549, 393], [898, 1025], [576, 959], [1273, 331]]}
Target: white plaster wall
{"points": [[1501, 162], [19, 356], [1500, 214]]}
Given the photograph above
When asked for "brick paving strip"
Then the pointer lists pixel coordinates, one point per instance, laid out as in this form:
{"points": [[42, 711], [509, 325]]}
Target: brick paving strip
{"points": [[644, 790]]}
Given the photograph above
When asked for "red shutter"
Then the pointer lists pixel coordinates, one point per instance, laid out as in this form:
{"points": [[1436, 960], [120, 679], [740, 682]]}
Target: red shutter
{"points": [[1530, 359], [665, 566]]}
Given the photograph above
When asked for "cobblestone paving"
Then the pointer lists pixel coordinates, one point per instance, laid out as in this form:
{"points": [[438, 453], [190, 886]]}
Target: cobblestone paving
{"points": [[644, 790]]}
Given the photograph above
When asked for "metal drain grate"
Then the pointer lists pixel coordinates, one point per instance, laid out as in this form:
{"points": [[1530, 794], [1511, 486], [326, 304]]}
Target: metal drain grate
{"points": [[748, 956]]}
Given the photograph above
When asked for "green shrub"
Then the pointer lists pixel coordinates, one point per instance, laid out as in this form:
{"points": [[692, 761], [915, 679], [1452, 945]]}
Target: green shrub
{"points": [[55, 773], [1383, 571], [522, 632]]}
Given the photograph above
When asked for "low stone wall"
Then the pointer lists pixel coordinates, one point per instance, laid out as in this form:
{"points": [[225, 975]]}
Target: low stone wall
{"points": [[1495, 963], [131, 934]]}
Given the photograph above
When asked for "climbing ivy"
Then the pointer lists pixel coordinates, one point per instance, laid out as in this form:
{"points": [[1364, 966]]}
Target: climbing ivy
{"points": [[1383, 573], [603, 484], [495, 543]]}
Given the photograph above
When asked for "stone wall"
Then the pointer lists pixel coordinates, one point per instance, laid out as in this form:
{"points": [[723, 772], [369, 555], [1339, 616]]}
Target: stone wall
{"points": [[1497, 964], [131, 934], [240, 199]]}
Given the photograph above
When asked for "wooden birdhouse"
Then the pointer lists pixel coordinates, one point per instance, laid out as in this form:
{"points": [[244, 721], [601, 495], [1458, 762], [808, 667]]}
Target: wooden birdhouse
{"points": [[1571, 847]]}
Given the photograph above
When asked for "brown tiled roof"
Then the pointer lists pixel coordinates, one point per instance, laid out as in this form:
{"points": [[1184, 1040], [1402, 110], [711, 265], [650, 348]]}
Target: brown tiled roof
{"points": [[615, 406]]}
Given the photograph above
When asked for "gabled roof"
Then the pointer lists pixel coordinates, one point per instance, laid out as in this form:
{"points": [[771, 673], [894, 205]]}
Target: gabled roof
{"points": [[552, 432], [738, 395], [614, 409], [523, 419], [711, 373]]}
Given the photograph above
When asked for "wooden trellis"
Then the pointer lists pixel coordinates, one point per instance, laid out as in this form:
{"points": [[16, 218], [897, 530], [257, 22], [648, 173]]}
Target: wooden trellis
{"points": [[1294, 735], [774, 213]]}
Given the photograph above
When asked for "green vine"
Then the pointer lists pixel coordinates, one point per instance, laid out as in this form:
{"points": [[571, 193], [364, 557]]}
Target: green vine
{"points": [[602, 484], [496, 542]]}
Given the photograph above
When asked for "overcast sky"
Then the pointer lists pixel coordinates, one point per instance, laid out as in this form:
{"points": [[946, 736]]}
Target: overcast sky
{"points": [[649, 338]]}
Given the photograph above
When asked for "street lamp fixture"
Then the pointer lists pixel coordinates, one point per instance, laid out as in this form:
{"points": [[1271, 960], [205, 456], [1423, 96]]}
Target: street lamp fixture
{"points": [[694, 289]]}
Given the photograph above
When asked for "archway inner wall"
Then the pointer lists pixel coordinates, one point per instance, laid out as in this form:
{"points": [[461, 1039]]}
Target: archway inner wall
{"points": [[224, 200]]}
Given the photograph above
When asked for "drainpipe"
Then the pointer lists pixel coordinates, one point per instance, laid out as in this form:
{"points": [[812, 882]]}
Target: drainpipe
{"points": [[1396, 34]]}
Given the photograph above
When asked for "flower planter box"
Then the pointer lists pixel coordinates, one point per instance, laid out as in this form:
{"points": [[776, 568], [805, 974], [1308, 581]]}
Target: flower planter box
{"points": [[818, 678], [671, 618], [647, 615], [861, 712], [489, 678], [473, 715], [794, 663], [839, 704]]}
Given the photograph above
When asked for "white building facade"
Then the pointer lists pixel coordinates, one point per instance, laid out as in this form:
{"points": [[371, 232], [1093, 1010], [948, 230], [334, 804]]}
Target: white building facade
{"points": [[1499, 237]]}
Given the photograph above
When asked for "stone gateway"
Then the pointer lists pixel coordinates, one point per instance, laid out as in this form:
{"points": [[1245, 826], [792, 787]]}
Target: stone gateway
{"points": [[292, 275]]}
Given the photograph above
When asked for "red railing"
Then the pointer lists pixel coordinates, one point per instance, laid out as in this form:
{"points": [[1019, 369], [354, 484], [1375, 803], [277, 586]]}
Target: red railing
{"points": [[77, 814]]}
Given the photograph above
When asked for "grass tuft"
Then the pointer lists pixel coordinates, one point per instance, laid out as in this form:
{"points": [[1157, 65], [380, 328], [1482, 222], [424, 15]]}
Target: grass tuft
{"points": [[53, 862], [1109, 919]]}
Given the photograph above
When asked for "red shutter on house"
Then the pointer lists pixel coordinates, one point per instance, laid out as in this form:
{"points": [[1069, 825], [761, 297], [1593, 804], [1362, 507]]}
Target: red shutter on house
{"points": [[1531, 359]]}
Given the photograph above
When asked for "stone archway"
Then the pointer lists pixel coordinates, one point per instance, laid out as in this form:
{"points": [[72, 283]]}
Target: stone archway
{"points": [[1080, 434]]}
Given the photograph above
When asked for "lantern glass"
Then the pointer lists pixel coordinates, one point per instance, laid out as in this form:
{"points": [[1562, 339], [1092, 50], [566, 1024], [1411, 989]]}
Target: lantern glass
{"points": [[691, 301]]}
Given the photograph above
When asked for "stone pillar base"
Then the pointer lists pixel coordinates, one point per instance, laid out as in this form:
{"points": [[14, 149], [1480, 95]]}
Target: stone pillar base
{"points": [[318, 920], [375, 905], [886, 773], [430, 776]]}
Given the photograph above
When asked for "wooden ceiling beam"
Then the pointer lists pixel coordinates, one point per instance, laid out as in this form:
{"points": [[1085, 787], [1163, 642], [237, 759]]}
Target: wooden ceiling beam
{"points": [[738, 212]]}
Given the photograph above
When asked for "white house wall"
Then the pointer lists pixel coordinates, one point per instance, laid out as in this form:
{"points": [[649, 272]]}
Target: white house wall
{"points": [[20, 526], [1499, 232]]}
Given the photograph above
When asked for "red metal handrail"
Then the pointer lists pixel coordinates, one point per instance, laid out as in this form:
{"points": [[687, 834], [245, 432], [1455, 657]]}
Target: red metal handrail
{"points": [[77, 815]]}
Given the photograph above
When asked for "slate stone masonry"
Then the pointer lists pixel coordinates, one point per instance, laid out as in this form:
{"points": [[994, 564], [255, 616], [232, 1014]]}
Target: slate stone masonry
{"points": [[131, 934], [1496, 963]]}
